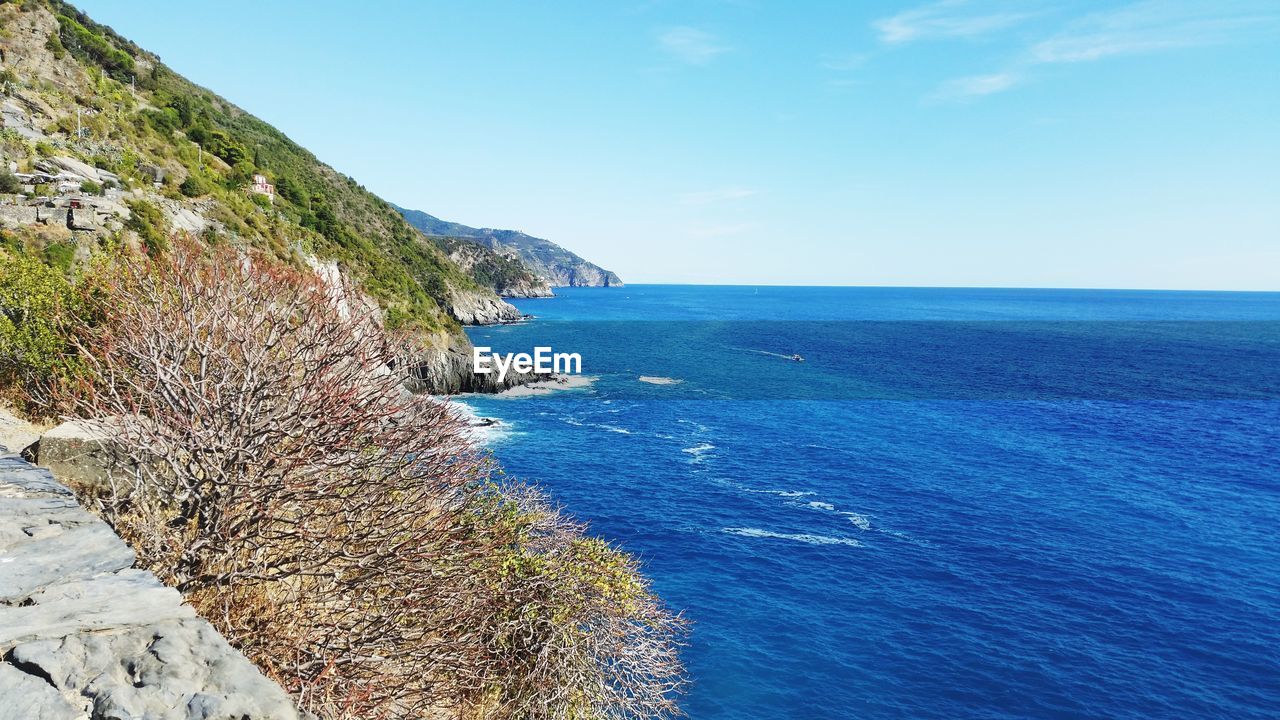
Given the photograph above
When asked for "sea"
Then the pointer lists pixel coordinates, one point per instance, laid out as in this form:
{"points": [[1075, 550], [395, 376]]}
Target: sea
{"points": [[925, 502]]}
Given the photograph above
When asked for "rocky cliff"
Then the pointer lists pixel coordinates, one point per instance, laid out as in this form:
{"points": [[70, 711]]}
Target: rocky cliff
{"points": [[557, 266], [106, 143], [85, 636]]}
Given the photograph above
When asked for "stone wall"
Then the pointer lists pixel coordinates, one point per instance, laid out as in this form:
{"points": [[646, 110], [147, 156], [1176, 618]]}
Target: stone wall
{"points": [[86, 636]]}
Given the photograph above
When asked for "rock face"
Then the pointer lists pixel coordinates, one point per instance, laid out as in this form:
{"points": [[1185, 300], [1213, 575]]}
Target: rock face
{"points": [[85, 636], [472, 308], [448, 371]]}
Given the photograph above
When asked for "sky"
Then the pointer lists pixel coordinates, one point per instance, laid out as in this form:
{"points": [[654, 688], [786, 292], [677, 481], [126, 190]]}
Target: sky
{"points": [[1028, 143]]}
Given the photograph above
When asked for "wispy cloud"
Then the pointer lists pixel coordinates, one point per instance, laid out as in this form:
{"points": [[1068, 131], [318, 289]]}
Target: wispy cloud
{"points": [[691, 45], [1156, 25], [706, 197], [950, 19], [975, 86], [1138, 28]]}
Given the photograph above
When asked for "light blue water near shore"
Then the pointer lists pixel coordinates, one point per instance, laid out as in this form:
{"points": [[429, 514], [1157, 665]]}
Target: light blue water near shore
{"points": [[1107, 553]]}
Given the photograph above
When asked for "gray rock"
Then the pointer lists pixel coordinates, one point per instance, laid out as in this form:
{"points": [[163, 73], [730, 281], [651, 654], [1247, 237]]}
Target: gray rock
{"points": [[78, 451], [85, 636], [81, 169], [15, 434], [476, 308], [27, 697]]}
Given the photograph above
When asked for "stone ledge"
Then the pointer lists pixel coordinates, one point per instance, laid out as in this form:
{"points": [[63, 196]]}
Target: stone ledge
{"points": [[85, 636]]}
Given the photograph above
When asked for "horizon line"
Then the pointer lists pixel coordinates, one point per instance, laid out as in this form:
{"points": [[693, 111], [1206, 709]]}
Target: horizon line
{"points": [[626, 285]]}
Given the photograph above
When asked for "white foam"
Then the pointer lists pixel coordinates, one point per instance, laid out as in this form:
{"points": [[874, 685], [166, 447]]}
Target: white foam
{"points": [[859, 521], [615, 429], [698, 452], [480, 430], [796, 537], [782, 493], [659, 380], [816, 505]]}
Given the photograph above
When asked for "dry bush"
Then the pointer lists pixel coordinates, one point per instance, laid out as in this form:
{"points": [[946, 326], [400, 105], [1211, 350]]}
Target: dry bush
{"points": [[339, 529]]}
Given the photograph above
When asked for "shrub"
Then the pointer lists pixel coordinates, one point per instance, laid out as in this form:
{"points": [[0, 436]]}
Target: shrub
{"points": [[194, 186], [35, 302], [147, 220], [91, 187], [60, 255], [9, 183], [344, 533], [54, 44]]}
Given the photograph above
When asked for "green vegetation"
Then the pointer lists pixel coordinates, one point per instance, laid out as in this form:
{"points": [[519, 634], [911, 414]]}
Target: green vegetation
{"points": [[54, 45], [8, 182], [90, 45], [91, 187], [147, 220], [170, 120], [195, 186], [489, 268], [35, 300]]}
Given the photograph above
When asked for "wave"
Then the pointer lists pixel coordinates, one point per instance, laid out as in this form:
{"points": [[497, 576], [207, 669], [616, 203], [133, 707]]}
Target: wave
{"points": [[480, 430], [698, 451], [780, 493], [697, 425], [818, 505], [859, 521], [796, 537], [615, 429]]}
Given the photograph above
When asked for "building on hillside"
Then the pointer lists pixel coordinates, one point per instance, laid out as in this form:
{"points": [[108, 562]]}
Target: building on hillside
{"points": [[262, 187]]}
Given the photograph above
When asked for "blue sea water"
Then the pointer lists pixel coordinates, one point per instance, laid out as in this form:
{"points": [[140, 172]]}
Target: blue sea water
{"points": [[965, 503]]}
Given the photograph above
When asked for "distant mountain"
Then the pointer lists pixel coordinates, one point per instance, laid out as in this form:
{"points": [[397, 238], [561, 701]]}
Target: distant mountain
{"points": [[557, 266]]}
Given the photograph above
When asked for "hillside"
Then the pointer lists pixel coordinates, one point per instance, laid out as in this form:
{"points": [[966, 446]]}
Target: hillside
{"points": [[504, 273], [105, 144], [559, 267]]}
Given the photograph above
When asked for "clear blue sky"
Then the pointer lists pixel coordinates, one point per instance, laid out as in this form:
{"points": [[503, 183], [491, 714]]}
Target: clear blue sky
{"points": [[963, 142]]}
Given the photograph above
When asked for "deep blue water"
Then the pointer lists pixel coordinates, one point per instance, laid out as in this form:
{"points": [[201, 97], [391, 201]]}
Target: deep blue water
{"points": [[1022, 503]]}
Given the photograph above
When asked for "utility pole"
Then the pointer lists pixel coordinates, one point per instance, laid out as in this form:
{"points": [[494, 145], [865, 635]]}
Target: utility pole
{"points": [[77, 122]]}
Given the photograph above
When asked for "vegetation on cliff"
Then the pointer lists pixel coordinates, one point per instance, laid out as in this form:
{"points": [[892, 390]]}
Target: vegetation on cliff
{"points": [[271, 460], [117, 107]]}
